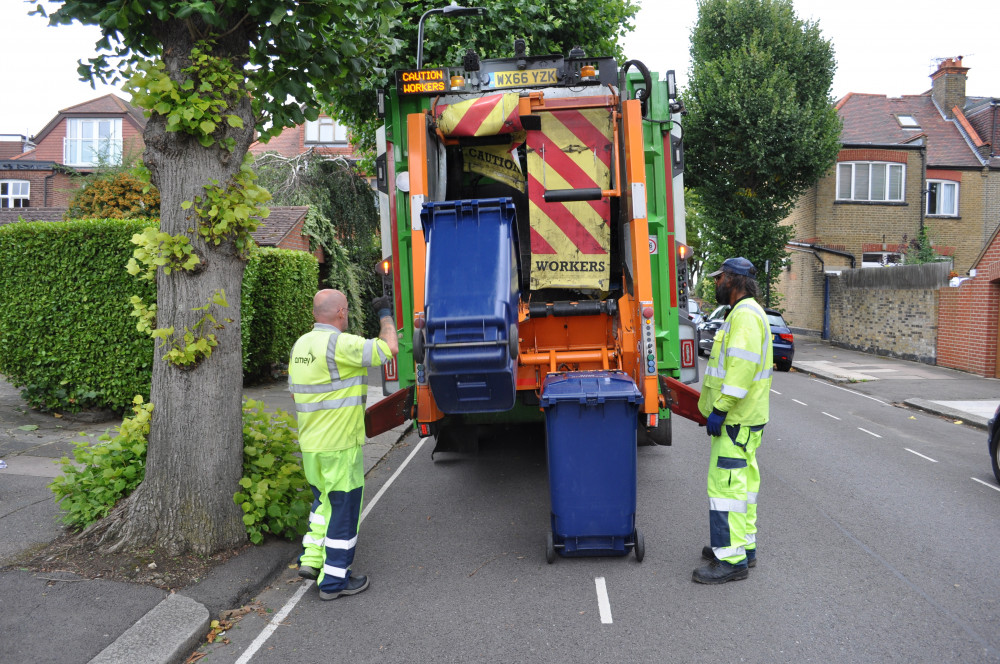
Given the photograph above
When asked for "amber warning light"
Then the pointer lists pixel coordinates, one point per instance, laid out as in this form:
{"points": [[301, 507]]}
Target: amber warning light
{"points": [[683, 251]]}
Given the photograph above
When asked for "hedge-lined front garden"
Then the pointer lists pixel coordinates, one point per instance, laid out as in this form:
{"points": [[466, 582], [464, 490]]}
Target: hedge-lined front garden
{"points": [[67, 336]]}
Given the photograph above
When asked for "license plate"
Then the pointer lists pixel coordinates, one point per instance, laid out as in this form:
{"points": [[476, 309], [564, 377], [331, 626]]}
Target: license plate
{"points": [[519, 78]]}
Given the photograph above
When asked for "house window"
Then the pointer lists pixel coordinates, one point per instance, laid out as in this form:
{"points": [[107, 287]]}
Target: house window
{"points": [[907, 122], [14, 193], [325, 130], [870, 181], [881, 258], [93, 141], [942, 198]]}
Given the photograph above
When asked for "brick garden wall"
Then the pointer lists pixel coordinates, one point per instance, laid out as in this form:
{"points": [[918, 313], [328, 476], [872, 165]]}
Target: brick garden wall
{"points": [[967, 333], [888, 311]]}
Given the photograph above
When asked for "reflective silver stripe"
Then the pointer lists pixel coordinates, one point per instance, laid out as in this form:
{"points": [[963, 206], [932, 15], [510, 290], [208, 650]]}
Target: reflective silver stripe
{"points": [[766, 373], [751, 538], [331, 360], [751, 497], [382, 357], [728, 552], [342, 544], [309, 539], [366, 353], [329, 387], [733, 391], [715, 371], [317, 518], [743, 355], [724, 327], [329, 404], [727, 505], [338, 572]]}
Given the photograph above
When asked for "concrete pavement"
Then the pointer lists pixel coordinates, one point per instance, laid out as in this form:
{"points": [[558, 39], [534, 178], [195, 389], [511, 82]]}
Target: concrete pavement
{"points": [[59, 618]]}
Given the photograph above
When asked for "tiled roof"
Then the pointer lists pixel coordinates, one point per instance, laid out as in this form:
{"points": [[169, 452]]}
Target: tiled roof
{"points": [[279, 224], [872, 119]]}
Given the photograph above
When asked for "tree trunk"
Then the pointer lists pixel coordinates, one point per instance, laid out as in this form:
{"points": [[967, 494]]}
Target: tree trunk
{"points": [[195, 455]]}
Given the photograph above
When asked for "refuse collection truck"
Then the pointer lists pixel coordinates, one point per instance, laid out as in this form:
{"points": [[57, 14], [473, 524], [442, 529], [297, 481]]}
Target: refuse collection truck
{"points": [[532, 224]]}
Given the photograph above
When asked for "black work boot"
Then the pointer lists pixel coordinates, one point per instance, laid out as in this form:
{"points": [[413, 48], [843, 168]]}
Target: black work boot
{"points": [[356, 583], [719, 571], [708, 554]]}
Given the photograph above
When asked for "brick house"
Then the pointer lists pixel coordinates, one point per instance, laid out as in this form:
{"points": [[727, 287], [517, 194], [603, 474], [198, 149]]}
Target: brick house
{"points": [[930, 160], [323, 135], [283, 229], [104, 130]]}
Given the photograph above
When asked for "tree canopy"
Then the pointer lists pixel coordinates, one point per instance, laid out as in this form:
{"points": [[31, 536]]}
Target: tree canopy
{"points": [[761, 126], [547, 26]]}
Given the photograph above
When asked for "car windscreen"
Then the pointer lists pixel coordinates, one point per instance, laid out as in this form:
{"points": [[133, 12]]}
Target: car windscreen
{"points": [[775, 320]]}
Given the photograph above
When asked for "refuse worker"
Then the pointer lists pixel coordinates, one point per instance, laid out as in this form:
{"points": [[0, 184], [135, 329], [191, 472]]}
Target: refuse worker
{"points": [[328, 378], [734, 398]]}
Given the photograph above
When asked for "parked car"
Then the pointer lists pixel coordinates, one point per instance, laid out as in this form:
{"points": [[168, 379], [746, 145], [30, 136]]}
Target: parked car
{"points": [[782, 339], [993, 438], [694, 312]]}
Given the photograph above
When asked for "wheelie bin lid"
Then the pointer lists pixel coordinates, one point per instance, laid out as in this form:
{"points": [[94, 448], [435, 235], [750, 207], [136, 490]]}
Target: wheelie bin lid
{"points": [[588, 387]]}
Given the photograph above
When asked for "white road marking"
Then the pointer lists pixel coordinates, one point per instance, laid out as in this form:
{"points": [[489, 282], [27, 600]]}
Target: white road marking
{"points": [[829, 415], [871, 433], [290, 604], [920, 455], [985, 484], [603, 603], [837, 387], [775, 391], [800, 402]]}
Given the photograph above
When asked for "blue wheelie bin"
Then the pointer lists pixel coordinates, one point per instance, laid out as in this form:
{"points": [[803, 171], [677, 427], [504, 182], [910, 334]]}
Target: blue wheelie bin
{"points": [[470, 334], [590, 429]]}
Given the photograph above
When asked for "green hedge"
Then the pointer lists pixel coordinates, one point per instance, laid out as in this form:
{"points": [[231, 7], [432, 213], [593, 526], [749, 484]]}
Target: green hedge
{"points": [[66, 333], [67, 336], [285, 282]]}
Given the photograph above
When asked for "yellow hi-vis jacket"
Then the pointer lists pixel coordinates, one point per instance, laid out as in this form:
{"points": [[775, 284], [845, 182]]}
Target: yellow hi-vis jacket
{"points": [[328, 378], [738, 377]]}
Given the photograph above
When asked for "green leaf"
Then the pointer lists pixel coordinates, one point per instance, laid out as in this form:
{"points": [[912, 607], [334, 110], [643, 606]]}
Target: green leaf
{"points": [[28, 427]]}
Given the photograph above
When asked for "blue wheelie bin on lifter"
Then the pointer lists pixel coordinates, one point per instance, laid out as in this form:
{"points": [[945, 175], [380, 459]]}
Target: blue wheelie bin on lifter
{"points": [[469, 340], [590, 428]]}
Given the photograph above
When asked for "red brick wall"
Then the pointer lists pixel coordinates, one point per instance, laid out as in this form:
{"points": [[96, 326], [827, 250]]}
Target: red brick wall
{"points": [[296, 241], [968, 315], [50, 148]]}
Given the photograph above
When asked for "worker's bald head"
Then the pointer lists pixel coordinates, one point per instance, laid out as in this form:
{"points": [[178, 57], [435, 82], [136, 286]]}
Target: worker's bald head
{"points": [[330, 308]]}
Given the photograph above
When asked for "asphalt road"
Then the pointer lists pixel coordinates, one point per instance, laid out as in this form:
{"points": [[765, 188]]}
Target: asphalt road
{"points": [[877, 537]]}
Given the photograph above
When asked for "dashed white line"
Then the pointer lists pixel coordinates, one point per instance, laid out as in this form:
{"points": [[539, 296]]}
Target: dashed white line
{"points": [[603, 603], [829, 415], [920, 455], [290, 604], [870, 433], [775, 391], [800, 402], [985, 483]]}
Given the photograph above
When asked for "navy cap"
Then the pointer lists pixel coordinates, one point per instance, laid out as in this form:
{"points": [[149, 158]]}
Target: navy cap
{"points": [[736, 266]]}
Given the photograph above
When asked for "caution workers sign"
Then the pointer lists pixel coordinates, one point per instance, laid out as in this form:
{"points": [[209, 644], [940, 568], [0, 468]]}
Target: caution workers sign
{"points": [[487, 116]]}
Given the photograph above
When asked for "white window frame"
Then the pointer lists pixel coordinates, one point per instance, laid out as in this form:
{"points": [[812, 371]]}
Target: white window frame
{"points": [[325, 131], [857, 177], [93, 141], [931, 184], [15, 193], [881, 258]]}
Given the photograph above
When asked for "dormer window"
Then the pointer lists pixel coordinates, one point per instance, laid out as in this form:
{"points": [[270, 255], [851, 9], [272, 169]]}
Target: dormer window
{"points": [[325, 131], [93, 142], [907, 122]]}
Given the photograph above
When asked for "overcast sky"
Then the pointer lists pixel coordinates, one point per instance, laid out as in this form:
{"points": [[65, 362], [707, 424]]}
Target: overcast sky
{"points": [[882, 46]]}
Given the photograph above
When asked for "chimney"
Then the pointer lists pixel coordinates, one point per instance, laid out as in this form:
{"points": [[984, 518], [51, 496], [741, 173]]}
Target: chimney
{"points": [[948, 88]]}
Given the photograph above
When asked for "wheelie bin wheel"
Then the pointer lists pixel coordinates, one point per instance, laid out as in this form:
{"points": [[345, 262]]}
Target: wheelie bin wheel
{"points": [[640, 545], [550, 549]]}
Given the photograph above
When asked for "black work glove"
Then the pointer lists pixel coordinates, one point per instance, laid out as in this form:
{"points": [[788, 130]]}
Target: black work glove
{"points": [[382, 306]]}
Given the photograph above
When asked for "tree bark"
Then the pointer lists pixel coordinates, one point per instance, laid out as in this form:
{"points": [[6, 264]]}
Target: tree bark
{"points": [[195, 456]]}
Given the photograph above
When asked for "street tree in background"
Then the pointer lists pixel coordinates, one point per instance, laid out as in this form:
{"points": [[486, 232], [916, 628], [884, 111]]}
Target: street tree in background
{"points": [[761, 125], [547, 27], [209, 73]]}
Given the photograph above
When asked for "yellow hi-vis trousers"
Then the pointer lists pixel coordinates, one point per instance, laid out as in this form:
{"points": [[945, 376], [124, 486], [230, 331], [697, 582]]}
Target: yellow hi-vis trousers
{"points": [[733, 483]]}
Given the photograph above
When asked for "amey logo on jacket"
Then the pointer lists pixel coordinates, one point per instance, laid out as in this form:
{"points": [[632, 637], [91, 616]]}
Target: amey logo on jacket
{"points": [[305, 359]]}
